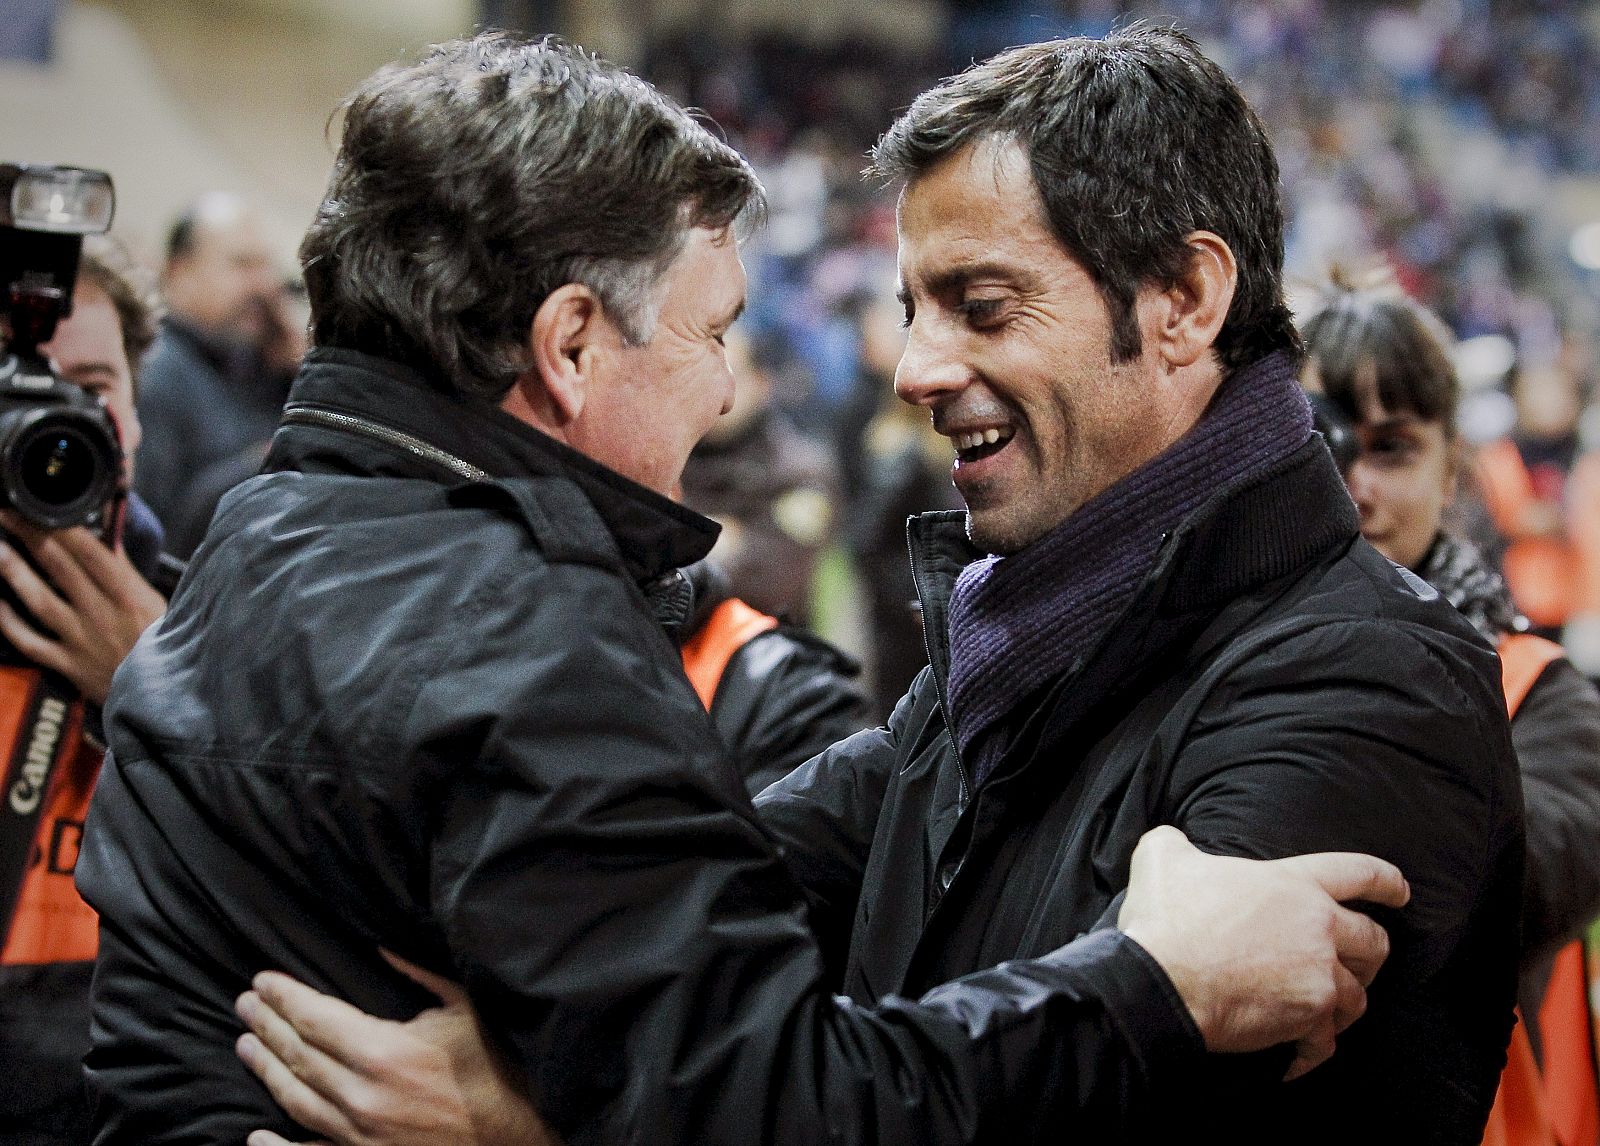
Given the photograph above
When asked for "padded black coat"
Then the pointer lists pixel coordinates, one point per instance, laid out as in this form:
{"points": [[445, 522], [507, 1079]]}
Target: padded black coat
{"points": [[1275, 687], [398, 704]]}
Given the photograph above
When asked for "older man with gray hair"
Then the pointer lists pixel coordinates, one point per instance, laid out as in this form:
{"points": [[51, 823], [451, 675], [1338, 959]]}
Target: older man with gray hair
{"points": [[415, 694]]}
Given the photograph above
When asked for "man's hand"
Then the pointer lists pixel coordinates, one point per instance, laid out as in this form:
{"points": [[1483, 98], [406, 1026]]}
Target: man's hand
{"points": [[361, 1081], [1261, 952], [95, 602]]}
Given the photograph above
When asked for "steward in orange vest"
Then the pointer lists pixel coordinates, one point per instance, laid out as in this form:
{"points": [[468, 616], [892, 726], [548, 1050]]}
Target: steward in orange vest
{"points": [[1548, 1095], [1552, 557]]}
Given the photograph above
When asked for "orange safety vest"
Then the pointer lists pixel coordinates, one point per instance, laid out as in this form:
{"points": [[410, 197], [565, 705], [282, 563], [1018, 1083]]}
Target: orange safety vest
{"points": [[731, 625], [1561, 1105], [1550, 578]]}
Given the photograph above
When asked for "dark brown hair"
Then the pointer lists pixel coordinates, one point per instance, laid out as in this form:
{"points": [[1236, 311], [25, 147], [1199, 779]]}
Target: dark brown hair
{"points": [[1367, 336], [1135, 141]]}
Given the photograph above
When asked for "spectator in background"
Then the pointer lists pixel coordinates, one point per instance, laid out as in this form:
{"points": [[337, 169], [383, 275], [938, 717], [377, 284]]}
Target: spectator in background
{"points": [[1383, 362], [216, 379], [97, 603], [773, 491], [906, 465], [1541, 493]]}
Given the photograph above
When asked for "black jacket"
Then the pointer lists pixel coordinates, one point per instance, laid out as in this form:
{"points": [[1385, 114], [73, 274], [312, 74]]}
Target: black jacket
{"points": [[785, 695], [1275, 687], [397, 704]]}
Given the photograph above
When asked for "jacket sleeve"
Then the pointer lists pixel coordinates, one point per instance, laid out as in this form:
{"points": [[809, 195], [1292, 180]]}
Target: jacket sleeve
{"points": [[824, 815], [633, 938], [1382, 738], [784, 697], [1556, 733]]}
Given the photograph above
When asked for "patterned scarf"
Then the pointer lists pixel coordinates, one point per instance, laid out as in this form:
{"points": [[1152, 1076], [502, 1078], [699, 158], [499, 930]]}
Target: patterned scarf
{"points": [[1456, 568], [1019, 621]]}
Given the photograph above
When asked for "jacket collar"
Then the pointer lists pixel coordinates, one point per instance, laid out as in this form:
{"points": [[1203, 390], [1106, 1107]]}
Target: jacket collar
{"points": [[1242, 538], [654, 534]]}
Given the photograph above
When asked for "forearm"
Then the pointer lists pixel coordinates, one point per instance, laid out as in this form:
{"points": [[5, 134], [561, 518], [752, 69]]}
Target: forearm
{"points": [[1076, 1042]]}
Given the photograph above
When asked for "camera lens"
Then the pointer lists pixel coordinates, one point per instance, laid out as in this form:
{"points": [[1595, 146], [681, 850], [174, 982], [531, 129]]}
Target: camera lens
{"points": [[57, 467]]}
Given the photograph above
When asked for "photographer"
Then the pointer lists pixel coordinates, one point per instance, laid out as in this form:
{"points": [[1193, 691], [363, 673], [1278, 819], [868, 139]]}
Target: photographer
{"points": [[89, 602]]}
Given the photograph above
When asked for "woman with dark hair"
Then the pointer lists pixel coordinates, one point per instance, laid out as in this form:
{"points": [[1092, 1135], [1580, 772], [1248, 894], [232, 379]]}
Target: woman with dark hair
{"points": [[1381, 362]]}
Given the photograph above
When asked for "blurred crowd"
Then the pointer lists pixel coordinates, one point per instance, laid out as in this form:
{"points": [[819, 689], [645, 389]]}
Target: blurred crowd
{"points": [[1437, 139]]}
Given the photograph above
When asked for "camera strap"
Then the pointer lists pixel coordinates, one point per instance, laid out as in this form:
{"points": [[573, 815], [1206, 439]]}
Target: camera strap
{"points": [[41, 741]]}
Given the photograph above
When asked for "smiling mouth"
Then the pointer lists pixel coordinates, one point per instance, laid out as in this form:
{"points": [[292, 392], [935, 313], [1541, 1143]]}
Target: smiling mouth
{"points": [[975, 445]]}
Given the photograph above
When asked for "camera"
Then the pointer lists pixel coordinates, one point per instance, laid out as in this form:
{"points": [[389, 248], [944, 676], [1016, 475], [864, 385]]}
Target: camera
{"points": [[1336, 429], [60, 460]]}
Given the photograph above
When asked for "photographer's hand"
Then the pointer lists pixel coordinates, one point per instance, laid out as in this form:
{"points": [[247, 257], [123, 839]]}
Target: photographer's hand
{"points": [[95, 602]]}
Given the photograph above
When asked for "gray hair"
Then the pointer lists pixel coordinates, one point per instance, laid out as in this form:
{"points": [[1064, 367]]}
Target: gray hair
{"points": [[473, 183]]}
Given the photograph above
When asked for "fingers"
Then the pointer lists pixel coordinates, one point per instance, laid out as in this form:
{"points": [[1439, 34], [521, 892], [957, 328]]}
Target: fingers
{"points": [[31, 643], [268, 1138], [449, 992], [1350, 999], [338, 1032], [34, 592], [1362, 945], [305, 1061], [1351, 875], [299, 1100], [1157, 847], [62, 564], [1350, 1003]]}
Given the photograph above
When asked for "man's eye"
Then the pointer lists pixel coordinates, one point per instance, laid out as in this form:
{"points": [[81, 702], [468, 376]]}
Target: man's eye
{"points": [[981, 311]]}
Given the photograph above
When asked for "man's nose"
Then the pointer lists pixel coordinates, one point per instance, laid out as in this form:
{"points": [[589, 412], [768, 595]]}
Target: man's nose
{"points": [[930, 368]]}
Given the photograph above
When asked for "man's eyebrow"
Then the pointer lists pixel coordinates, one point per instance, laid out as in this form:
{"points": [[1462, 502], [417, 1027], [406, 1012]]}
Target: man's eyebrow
{"points": [[951, 279]]}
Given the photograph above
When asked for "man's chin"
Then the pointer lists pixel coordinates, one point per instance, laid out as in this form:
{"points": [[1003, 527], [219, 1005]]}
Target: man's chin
{"points": [[992, 534]]}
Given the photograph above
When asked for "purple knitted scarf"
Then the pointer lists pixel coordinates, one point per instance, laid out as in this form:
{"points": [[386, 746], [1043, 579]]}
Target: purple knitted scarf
{"points": [[1019, 621]]}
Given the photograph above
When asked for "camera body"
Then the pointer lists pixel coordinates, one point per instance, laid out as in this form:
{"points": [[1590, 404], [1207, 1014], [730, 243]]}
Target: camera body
{"points": [[60, 459], [1336, 429]]}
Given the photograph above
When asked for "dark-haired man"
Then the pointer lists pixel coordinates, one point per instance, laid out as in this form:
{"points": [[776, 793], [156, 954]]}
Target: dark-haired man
{"points": [[415, 693]]}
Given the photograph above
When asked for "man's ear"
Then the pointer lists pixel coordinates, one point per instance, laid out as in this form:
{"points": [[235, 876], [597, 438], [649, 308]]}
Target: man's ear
{"points": [[567, 330], [1194, 307]]}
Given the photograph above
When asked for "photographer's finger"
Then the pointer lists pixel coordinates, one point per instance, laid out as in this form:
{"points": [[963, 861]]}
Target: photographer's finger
{"points": [[91, 554], [35, 593], [31, 643], [14, 522], [65, 570]]}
